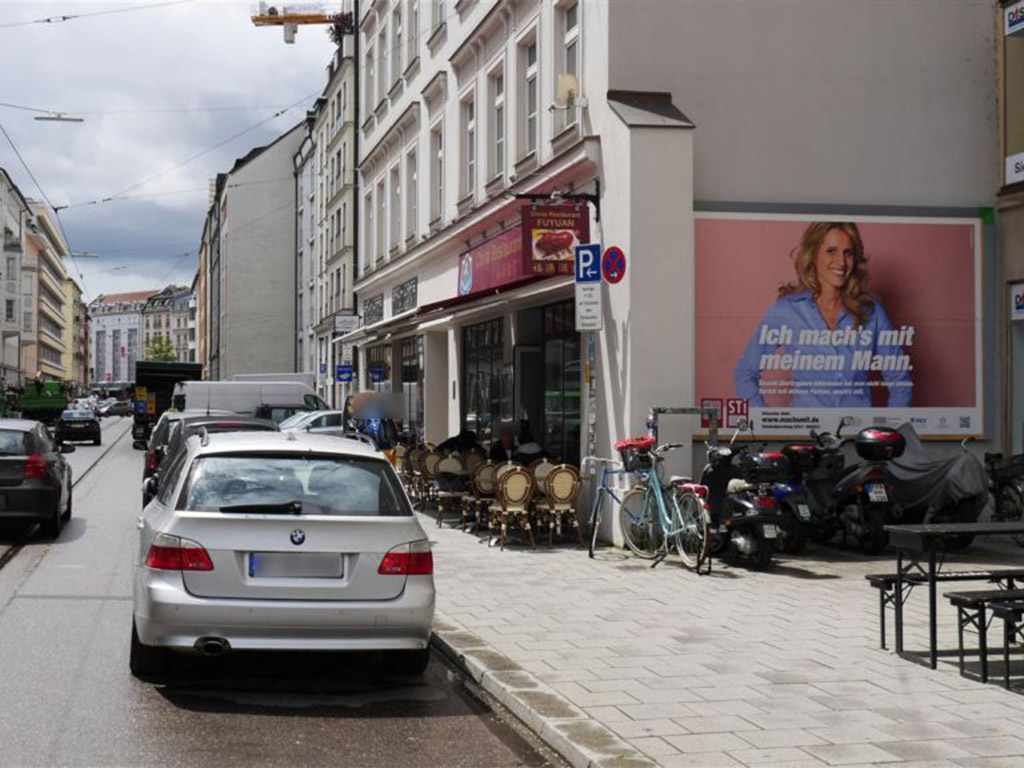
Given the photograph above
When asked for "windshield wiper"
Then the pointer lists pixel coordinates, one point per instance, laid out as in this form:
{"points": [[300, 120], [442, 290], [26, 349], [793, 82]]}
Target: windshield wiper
{"points": [[277, 508]]}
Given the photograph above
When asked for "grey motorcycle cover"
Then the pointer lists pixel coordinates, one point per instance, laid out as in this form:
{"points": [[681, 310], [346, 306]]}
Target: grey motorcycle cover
{"points": [[926, 484]]}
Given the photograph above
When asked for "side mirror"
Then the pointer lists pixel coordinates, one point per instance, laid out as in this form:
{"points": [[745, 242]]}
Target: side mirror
{"points": [[67, 448], [139, 445], [149, 489]]}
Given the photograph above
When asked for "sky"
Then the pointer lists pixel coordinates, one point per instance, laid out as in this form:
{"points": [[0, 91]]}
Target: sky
{"points": [[155, 87]]}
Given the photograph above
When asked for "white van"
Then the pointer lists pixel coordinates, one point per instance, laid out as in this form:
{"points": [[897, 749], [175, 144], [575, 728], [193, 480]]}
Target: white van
{"points": [[275, 400], [308, 379]]}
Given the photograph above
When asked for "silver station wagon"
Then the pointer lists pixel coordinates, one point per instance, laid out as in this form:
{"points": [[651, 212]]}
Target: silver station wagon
{"points": [[280, 541]]}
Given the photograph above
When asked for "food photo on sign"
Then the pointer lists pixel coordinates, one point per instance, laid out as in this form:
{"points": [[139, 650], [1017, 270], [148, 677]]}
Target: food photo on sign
{"points": [[550, 236], [806, 319]]}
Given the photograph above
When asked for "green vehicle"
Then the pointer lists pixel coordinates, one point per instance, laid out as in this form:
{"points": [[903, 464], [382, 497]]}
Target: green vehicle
{"points": [[40, 400]]}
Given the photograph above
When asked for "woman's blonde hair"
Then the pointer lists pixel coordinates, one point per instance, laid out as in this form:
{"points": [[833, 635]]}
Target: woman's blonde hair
{"points": [[854, 291]]}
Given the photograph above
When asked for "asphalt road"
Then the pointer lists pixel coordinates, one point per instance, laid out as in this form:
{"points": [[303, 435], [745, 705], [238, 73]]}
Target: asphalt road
{"points": [[67, 698]]}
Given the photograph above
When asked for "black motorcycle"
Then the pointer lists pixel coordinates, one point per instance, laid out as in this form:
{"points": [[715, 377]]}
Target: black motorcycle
{"points": [[857, 500], [744, 514]]}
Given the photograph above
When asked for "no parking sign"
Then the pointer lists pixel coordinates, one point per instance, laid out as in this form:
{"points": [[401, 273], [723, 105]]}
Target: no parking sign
{"points": [[613, 265]]}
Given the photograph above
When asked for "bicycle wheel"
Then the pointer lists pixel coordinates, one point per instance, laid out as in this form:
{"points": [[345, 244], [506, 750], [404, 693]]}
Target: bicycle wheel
{"points": [[595, 519], [691, 534], [638, 520]]}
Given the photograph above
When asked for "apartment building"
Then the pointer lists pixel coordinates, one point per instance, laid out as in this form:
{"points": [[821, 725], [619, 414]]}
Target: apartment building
{"points": [[324, 168], [43, 348], [690, 135], [14, 213], [249, 260], [171, 315], [115, 321], [76, 335]]}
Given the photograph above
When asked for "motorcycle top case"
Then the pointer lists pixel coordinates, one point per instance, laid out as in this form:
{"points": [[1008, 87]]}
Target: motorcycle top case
{"points": [[760, 468], [802, 457], [879, 443]]}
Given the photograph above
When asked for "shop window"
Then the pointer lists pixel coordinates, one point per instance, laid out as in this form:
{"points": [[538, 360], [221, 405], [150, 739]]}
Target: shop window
{"points": [[411, 355], [562, 388], [486, 381], [378, 368]]}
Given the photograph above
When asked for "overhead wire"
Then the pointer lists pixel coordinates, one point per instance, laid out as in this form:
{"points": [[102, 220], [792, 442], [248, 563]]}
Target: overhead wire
{"points": [[153, 111], [73, 16]]}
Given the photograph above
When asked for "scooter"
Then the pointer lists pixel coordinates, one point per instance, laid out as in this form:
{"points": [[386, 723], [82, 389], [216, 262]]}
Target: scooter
{"points": [[744, 514], [857, 500]]}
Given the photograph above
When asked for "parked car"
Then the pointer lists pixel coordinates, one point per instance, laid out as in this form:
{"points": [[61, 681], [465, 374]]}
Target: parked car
{"points": [[157, 445], [116, 408], [73, 426], [183, 429], [276, 400], [264, 541], [35, 479], [312, 420]]}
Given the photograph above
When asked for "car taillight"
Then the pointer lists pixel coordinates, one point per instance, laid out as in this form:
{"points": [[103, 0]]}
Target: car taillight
{"points": [[35, 467], [151, 462], [170, 553], [877, 473], [414, 559], [766, 502]]}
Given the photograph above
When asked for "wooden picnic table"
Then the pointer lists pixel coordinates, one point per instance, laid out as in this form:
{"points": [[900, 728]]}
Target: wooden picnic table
{"points": [[920, 551]]}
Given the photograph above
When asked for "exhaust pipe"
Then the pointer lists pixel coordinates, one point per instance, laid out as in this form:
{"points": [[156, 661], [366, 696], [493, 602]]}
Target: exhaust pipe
{"points": [[212, 646]]}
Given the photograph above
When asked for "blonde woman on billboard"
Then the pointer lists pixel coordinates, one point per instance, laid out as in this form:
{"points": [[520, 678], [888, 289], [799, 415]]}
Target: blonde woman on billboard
{"points": [[824, 339]]}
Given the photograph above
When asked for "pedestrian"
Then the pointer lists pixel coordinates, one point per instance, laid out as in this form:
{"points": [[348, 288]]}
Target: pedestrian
{"points": [[504, 448]]}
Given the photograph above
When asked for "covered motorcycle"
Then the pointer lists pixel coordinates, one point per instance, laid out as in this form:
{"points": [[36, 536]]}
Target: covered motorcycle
{"points": [[928, 489]]}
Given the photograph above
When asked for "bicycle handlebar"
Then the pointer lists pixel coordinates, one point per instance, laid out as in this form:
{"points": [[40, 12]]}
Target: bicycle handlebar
{"points": [[665, 448]]}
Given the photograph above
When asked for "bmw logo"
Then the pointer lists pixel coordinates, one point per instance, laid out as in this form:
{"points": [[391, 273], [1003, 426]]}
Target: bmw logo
{"points": [[298, 536]]}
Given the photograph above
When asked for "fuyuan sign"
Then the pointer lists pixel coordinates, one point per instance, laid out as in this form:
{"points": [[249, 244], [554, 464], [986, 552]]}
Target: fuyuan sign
{"points": [[550, 236]]}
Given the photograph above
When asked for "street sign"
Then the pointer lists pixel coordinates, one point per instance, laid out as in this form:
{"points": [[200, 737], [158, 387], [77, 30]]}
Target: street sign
{"points": [[588, 259], [343, 373], [344, 324], [377, 373], [589, 307], [323, 368], [613, 265]]}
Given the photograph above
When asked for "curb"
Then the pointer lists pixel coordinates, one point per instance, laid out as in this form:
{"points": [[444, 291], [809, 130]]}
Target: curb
{"points": [[561, 725]]}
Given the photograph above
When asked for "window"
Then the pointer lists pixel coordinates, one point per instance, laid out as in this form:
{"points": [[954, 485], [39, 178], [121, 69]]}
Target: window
{"points": [[396, 44], [486, 390], [570, 60], [396, 206], [531, 97], [344, 101], [344, 223], [382, 50], [414, 29], [468, 147], [9, 310], [368, 104], [497, 84], [382, 218], [12, 267], [439, 13], [562, 389], [437, 154], [410, 194], [367, 230], [411, 351]]}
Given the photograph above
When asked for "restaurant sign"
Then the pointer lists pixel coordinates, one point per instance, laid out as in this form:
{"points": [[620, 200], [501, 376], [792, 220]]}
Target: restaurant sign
{"points": [[492, 264], [550, 236]]}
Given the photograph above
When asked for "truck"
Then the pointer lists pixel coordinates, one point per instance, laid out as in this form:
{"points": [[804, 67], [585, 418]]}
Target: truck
{"points": [[154, 390], [40, 400]]}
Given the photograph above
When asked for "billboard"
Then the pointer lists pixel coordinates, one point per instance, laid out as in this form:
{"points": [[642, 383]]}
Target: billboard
{"points": [[551, 233], [804, 319]]}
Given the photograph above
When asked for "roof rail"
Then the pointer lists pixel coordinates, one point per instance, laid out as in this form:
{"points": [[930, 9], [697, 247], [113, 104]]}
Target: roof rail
{"points": [[204, 437]]}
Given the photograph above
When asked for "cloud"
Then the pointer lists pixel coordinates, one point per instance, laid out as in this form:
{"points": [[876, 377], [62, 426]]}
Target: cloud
{"points": [[199, 56]]}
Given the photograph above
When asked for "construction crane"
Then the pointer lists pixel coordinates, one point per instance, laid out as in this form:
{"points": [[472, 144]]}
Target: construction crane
{"points": [[289, 17]]}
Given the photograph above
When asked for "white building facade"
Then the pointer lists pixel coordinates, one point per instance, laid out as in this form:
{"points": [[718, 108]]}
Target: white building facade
{"points": [[666, 113], [115, 345], [14, 213]]}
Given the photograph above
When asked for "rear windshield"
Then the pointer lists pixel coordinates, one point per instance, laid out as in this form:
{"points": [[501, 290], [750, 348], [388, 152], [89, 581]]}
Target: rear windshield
{"points": [[13, 443], [312, 485]]}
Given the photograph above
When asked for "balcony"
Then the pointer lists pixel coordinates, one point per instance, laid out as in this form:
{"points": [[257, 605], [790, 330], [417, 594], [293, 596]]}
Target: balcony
{"points": [[12, 244]]}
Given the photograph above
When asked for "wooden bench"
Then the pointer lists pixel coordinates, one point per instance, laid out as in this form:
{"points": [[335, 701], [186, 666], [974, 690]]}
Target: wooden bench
{"points": [[1011, 612], [885, 583], [971, 611]]}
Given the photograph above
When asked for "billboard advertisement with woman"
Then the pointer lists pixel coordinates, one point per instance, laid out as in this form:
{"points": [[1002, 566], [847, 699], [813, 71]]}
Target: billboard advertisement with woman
{"points": [[802, 320]]}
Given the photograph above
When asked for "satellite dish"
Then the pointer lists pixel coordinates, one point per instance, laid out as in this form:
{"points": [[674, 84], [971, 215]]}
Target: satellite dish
{"points": [[568, 88]]}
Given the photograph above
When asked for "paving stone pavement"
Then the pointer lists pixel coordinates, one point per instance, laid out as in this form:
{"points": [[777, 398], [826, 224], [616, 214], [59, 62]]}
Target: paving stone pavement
{"points": [[738, 668]]}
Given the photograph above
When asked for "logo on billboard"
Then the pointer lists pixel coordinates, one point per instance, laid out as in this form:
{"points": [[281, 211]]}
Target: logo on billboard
{"points": [[1014, 18], [466, 275], [736, 410]]}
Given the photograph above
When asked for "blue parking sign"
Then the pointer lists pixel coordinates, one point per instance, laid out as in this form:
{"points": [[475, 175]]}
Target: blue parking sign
{"points": [[343, 373], [588, 263]]}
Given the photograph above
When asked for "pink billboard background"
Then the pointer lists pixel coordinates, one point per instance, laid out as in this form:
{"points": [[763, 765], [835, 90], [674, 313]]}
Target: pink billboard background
{"points": [[923, 273]]}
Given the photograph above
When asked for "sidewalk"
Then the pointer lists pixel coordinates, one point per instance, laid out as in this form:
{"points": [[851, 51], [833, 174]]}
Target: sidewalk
{"points": [[617, 664]]}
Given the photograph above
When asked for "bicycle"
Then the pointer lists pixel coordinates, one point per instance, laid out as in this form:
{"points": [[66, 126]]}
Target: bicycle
{"points": [[603, 490], [651, 517]]}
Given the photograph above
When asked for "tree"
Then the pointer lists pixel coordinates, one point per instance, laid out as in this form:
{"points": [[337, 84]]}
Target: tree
{"points": [[161, 350]]}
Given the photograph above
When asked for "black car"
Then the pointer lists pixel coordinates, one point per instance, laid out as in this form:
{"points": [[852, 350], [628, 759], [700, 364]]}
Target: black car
{"points": [[78, 425], [182, 429], [35, 479], [157, 446]]}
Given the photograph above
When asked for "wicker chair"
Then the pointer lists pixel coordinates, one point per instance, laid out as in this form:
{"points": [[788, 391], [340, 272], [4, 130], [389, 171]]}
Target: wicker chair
{"points": [[473, 459], [449, 500], [562, 490], [412, 471], [478, 504], [499, 472], [515, 490], [428, 477]]}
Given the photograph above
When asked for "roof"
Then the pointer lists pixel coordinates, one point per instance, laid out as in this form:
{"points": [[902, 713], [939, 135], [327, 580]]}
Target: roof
{"points": [[126, 298], [22, 425], [647, 109], [257, 151], [285, 442]]}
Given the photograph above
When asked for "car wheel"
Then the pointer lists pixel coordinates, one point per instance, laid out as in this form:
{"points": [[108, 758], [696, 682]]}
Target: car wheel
{"points": [[146, 661], [51, 527], [408, 662], [67, 512], [97, 441]]}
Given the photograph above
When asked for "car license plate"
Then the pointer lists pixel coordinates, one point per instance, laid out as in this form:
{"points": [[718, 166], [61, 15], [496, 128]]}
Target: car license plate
{"points": [[770, 531], [876, 493], [295, 565], [803, 511]]}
